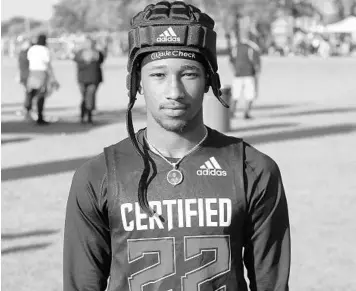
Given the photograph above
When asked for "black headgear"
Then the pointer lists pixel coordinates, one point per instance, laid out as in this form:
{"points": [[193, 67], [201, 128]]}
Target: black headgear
{"points": [[169, 26]]}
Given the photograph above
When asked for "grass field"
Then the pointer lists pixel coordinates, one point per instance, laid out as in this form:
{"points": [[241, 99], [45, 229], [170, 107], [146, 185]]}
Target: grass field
{"points": [[305, 119]]}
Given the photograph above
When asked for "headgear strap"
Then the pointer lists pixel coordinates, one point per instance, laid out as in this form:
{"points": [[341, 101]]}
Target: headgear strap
{"points": [[167, 54]]}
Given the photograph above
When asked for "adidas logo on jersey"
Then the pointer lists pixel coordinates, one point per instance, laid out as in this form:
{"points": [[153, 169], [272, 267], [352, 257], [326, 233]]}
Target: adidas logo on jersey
{"points": [[211, 168], [168, 36]]}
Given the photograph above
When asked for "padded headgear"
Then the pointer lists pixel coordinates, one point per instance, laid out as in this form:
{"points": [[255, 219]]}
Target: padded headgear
{"points": [[172, 26]]}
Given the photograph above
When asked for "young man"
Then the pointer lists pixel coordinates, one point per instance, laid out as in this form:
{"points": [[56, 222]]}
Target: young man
{"points": [[245, 59], [177, 205]]}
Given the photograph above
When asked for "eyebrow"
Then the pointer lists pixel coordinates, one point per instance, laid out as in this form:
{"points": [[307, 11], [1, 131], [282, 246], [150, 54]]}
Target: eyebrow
{"points": [[184, 67], [190, 67]]}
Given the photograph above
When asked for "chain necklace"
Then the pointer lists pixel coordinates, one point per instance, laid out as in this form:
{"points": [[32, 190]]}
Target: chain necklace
{"points": [[175, 176]]}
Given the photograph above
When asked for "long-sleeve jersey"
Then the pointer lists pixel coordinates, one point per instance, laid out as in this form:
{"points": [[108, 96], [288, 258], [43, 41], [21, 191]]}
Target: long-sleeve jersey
{"points": [[229, 211]]}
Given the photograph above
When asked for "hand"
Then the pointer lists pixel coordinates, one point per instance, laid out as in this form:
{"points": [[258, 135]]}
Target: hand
{"points": [[55, 84]]}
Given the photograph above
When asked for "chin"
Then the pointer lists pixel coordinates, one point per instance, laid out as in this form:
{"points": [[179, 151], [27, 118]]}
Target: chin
{"points": [[178, 126]]}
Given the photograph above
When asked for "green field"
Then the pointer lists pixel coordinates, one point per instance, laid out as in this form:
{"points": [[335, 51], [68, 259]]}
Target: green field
{"points": [[305, 119]]}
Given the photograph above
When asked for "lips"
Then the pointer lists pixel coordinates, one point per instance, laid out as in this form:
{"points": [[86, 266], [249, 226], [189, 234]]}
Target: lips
{"points": [[175, 106], [175, 110]]}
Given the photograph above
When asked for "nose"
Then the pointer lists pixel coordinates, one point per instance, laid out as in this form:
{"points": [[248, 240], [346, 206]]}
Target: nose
{"points": [[175, 88]]}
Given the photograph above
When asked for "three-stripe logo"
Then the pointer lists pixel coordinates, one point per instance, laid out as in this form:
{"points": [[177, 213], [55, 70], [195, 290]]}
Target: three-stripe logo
{"points": [[211, 168], [168, 36]]}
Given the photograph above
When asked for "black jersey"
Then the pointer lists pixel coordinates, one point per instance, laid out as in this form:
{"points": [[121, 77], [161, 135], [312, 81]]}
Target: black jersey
{"points": [[230, 211]]}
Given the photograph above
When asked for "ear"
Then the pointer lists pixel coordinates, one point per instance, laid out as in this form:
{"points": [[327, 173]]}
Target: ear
{"points": [[206, 90], [139, 84], [207, 84], [140, 90]]}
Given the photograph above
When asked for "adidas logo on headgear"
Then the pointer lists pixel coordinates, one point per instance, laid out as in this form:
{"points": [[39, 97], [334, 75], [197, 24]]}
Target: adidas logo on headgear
{"points": [[211, 168], [168, 36]]}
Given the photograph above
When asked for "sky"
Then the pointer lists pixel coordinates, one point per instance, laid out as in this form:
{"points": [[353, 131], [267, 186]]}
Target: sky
{"points": [[38, 9]]}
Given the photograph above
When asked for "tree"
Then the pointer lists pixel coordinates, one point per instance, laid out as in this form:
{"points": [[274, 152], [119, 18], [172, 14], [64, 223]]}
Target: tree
{"points": [[71, 15], [93, 15], [304, 8], [19, 25], [353, 9], [340, 9]]}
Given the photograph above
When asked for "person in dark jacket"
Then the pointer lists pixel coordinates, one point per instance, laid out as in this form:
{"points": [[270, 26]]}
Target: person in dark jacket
{"points": [[89, 75], [23, 66]]}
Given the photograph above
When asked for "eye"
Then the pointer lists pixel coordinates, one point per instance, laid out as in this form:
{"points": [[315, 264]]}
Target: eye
{"points": [[190, 75], [157, 75]]}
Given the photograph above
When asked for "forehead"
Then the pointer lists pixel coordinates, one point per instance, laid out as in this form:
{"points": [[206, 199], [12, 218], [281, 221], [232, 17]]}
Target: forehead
{"points": [[173, 64]]}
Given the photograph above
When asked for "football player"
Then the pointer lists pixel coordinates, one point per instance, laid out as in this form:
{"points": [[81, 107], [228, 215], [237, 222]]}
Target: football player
{"points": [[177, 205]]}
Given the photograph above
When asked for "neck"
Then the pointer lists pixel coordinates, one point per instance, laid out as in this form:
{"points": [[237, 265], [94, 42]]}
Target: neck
{"points": [[172, 144]]}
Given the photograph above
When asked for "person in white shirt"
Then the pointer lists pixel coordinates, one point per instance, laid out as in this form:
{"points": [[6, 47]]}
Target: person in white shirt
{"points": [[41, 76]]}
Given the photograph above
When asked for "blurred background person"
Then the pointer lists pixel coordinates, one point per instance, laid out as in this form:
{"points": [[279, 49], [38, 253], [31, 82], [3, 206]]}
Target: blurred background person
{"points": [[41, 77], [245, 59], [23, 66], [324, 47], [89, 60]]}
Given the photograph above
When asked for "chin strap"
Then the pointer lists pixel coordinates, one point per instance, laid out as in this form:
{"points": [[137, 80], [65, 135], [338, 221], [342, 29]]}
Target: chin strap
{"points": [[215, 85]]}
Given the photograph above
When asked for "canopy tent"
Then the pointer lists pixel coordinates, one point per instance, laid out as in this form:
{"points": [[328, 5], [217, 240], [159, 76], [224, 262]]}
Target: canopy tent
{"points": [[347, 25]]}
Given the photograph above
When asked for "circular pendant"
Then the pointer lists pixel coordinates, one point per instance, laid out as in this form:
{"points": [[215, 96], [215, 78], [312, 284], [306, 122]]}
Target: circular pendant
{"points": [[174, 177]]}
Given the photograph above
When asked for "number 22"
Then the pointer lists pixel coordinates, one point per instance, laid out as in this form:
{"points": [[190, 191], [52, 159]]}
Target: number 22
{"points": [[166, 265]]}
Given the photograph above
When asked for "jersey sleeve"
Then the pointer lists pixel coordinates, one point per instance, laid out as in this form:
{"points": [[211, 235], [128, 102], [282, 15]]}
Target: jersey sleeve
{"points": [[87, 252], [267, 245]]}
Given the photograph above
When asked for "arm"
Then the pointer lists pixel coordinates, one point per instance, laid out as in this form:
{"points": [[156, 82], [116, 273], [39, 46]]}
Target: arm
{"points": [[257, 61], [102, 57], [23, 67], [50, 71], [267, 244], [87, 252], [106, 47], [104, 52]]}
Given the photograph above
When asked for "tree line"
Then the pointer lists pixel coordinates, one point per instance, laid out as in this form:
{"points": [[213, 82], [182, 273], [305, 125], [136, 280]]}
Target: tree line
{"points": [[114, 15]]}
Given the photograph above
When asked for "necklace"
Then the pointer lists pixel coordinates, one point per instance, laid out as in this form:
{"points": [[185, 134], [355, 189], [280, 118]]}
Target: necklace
{"points": [[175, 176]]}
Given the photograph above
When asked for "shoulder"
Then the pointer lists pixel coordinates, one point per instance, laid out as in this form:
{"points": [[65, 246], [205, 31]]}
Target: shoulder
{"points": [[122, 154], [92, 170], [32, 49], [259, 164], [255, 160], [218, 139], [123, 147], [89, 186]]}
